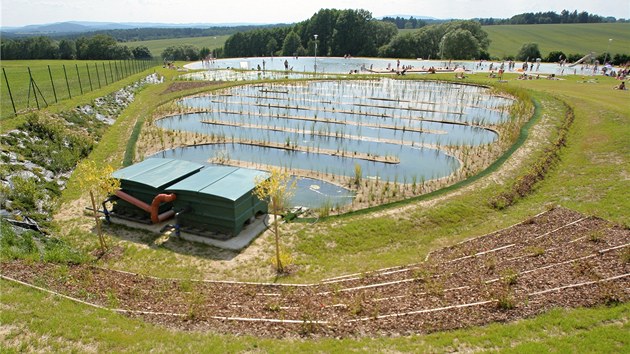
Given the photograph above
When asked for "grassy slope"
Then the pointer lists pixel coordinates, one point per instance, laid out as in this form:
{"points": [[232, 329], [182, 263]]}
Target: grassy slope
{"points": [[157, 46], [569, 38], [592, 177]]}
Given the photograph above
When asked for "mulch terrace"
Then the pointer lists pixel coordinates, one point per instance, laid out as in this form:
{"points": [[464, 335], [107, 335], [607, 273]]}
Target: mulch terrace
{"points": [[559, 258]]}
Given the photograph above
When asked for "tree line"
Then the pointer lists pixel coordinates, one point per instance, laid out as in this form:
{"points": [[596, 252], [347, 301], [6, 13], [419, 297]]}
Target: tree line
{"points": [[530, 52], [406, 23], [356, 33], [147, 34], [339, 32], [98, 47], [549, 17]]}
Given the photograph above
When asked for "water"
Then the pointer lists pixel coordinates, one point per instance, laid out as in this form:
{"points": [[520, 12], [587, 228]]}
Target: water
{"points": [[344, 66], [348, 118]]}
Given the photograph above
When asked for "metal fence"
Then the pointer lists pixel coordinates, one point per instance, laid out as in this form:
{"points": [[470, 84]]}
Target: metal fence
{"points": [[37, 87]]}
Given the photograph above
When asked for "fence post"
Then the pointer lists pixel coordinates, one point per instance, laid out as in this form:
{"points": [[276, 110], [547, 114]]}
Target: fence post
{"points": [[32, 85], [105, 74], [98, 77], [89, 76], [117, 75], [79, 77], [6, 79], [67, 84], [52, 83]]}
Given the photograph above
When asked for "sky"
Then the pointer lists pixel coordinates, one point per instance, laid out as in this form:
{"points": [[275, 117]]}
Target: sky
{"points": [[28, 12]]}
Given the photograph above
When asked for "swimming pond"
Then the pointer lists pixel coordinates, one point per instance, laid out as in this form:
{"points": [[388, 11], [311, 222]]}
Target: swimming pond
{"points": [[392, 130]]}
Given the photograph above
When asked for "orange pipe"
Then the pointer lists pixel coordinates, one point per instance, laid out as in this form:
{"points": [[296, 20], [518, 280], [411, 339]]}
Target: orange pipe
{"points": [[133, 200], [155, 206]]}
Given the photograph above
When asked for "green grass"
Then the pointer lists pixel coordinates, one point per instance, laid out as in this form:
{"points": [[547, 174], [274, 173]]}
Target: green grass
{"points": [[83, 76], [36, 321], [568, 38], [157, 46]]}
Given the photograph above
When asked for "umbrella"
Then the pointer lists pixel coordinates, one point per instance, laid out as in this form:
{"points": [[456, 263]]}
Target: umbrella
{"points": [[459, 70]]}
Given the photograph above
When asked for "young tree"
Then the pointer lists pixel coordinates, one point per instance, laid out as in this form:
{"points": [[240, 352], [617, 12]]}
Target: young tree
{"points": [[277, 189], [100, 184]]}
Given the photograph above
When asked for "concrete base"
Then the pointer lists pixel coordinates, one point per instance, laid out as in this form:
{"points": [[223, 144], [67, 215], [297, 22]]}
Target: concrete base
{"points": [[236, 243]]}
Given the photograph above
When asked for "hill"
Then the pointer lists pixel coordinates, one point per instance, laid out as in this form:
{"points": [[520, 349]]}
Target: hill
{"points": [[568, 38]]}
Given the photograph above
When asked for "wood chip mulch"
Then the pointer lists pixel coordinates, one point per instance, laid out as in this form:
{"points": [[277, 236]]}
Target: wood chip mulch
{"points": [[560, 258]]}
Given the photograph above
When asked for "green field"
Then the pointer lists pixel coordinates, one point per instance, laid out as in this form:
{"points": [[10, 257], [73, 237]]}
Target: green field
{"points": [[568, 38], [591, 176], [82, 76], [157, 46]]}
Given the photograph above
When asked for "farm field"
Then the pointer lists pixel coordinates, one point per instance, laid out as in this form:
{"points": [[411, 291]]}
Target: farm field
{"points": [[157, 46], [568, 38], [589, 178]]}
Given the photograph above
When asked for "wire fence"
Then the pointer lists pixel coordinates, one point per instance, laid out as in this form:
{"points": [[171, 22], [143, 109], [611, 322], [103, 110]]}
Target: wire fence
{"points": [[38, 86]]}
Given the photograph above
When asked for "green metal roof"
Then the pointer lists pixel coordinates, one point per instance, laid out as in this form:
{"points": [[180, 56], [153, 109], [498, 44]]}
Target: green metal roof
{"points": [[222, 181], [157, 173]]}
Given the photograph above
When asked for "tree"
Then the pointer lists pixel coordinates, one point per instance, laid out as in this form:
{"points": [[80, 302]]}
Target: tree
{"points": [[100, 47], [120, 52], [141, 52], [181, 52], [529, 51], [459, 44], [351, 33], [555, 56], [277, 189], [67, 49], [381, 33], [291, 44], [272, 46], [401, 46], [100, 184]]}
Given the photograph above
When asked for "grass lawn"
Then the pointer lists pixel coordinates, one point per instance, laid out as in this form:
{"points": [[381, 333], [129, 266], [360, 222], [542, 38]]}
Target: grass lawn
{"points": [[592, 176]]}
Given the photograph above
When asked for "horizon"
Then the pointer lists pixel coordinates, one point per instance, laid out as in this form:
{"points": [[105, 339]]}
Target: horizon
{"points": [[17, 13]]}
